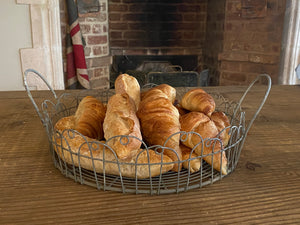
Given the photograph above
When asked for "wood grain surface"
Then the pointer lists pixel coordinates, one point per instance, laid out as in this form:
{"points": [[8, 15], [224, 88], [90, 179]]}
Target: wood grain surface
{"points": [[264, 188]]}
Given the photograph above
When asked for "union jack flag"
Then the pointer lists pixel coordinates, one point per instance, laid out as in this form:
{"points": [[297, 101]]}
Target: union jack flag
{"points": [[77, 75]]}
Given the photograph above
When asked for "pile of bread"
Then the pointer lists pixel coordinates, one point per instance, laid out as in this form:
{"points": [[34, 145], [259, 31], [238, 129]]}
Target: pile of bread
{"points": [[151, 116]]}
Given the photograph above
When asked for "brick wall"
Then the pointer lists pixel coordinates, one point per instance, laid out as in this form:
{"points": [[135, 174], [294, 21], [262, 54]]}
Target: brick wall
{"points": [[157, 27], [94, 29], [214, 38], [252, 41], [235, 40]]}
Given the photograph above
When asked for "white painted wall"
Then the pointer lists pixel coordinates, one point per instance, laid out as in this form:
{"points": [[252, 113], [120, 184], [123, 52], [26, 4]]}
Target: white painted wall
{"points": [[15, 33]]}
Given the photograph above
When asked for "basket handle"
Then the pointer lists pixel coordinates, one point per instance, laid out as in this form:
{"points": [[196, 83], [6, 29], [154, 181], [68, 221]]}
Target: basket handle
{"points": [[269, 84], [29, 92], [263, 100]]}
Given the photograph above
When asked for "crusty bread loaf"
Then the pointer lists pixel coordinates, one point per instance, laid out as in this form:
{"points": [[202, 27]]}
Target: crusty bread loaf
{"points": [[203, 125], [199, 101], [121, 119], [128, 84], [159, 120], [89, 117]]}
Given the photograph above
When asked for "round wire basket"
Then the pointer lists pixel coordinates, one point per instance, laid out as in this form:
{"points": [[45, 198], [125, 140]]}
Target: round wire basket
{"points": [[66, 104]]}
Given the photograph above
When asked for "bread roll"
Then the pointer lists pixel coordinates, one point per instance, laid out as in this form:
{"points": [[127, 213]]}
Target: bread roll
{"points": [[203, 125], [198, 100]]}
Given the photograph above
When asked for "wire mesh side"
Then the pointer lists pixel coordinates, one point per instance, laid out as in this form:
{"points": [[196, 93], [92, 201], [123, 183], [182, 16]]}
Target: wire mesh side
{"points": [[170, 182]]}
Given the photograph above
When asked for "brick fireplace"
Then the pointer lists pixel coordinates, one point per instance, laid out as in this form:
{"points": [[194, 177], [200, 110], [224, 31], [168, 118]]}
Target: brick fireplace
{"points": [[234, 39], [157, 27], [172, 31]]}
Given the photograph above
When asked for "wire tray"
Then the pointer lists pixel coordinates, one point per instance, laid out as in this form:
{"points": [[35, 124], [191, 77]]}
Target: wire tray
{"points": [[66, 104]]}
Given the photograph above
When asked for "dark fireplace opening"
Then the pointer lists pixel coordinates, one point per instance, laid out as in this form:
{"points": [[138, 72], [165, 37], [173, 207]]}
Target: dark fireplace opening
{"points": [[163, 37], [156, 22], [176, 70]]}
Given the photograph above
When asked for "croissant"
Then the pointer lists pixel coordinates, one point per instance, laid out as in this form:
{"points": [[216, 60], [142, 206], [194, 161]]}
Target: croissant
{"points": [[159, 120], [168, 90], [121, 119], [89, 117], [190, 159], [221, 121], [199, 101], [200, 123], [73, 148], [128, 84], [181, 110]]}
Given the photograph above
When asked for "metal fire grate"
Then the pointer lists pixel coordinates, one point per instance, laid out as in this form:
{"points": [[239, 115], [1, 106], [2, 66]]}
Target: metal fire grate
{"points": [[171, 182]]}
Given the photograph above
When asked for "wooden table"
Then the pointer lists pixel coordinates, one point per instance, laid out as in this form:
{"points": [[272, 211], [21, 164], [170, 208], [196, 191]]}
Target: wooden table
{"points": [[264, 188]]}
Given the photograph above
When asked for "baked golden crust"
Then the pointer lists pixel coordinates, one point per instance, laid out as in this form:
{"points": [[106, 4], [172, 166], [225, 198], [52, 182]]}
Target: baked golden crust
{"points": [[89, 117], [127, 119], [159, 120], [199, 101], [167, 90], [121, 119], [191, 161], [203, 125], [128, 84], [181, 110], [221, 121], [88, 153]]}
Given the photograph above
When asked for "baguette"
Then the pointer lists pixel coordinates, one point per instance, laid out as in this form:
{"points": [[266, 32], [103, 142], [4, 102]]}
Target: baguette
{"points": [[128, 84], [121, 119]]}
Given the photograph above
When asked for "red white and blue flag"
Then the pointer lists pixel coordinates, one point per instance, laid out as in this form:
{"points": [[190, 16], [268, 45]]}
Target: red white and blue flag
{"points": [[77, 75]]}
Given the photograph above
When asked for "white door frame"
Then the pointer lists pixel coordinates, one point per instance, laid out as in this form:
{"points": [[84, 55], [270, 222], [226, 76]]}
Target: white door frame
{"points": [[45, 56], [290, 52]]}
